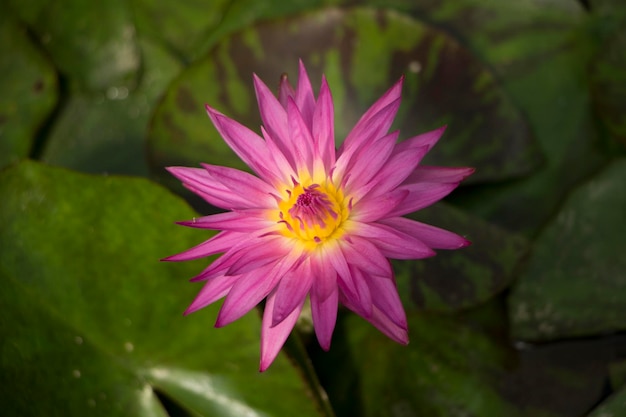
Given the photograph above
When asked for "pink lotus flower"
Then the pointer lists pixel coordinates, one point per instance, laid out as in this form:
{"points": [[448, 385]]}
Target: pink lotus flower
{"points": [[315, 221]]}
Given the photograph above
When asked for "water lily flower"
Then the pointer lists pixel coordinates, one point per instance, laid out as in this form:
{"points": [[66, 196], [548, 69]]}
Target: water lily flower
{"points": [[315, 221]]}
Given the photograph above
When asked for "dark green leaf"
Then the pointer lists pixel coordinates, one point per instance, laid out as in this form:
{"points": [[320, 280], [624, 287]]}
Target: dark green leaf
{"points": [[92, 43], [541, 52], [29, 91], [462, 365], [447, 369], [105, 132], [608, 77], [362, 52], [460, 279], [614, 406], [91, 321], [181, 26], [192, 27], [575, 281]]}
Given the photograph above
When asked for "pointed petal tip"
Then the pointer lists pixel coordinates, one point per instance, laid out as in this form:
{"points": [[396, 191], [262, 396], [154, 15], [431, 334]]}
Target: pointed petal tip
{"points": [[465, 243], [263, 365], [190, 309]]}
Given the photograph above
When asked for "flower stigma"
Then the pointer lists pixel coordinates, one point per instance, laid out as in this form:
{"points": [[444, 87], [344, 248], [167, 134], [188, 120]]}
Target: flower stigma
{"points": [[313, 213]]}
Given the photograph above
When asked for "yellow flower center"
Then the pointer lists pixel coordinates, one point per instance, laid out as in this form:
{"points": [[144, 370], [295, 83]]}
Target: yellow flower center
{"points": [[313, 213]]}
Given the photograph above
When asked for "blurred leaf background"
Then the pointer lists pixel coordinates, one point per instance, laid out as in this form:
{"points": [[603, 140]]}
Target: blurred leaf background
{"points": [[98, 97]]}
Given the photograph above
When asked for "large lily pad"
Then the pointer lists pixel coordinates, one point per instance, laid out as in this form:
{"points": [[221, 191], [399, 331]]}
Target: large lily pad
{"points": [[460, 279], [609, 81], [614, 406], [92, 43], [461, 366], [192, 27], [541, 52], [91, 322], [362, 52], [575, 280], [105, 132], [29, 90]]}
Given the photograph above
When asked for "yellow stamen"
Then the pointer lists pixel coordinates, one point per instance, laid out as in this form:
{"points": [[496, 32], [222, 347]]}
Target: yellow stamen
{"points": [[313, 213]]}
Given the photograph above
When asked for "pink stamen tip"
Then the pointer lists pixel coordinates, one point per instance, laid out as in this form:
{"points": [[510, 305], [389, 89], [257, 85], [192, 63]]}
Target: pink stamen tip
{"points": [[330, 174], [350, 203], [277, 198], [286, 224], [295, 183], [345, 181], [317, 239], [301, 222]]}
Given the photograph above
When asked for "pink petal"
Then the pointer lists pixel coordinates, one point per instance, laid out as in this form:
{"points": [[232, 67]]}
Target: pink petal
{"points": [[285, 90], [273, 337], [387, 299], [403, 161], [332, 254], [428, 139], [399, 166], [420, 195], [382, 323], [386, 105], [357, 292], [200, 182], [325, 276], [432, 236], [217, 244], [252, 287], [291, 291], [301, 141], [391, 242], [324, 313], [255, 191], [373, 128], [366, 256], [373, 208], [249, 146], [389, 328], [286, 167], [304, 96], [324, 126], [366, 163], [259, 252], [439, 174], [212, 291], [236, 221], [273, 114], [247, 244]]}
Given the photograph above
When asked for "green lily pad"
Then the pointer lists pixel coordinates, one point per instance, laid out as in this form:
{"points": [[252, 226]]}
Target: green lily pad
{"points": [[575, 280], [29, 91], [455, 280], [92, 43], [105, 132], [92, 322], [609, 83], [614, 406], [191, 28], [182, 26], [460, 365], [445, 83], [541, 52], [617, 374]]}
